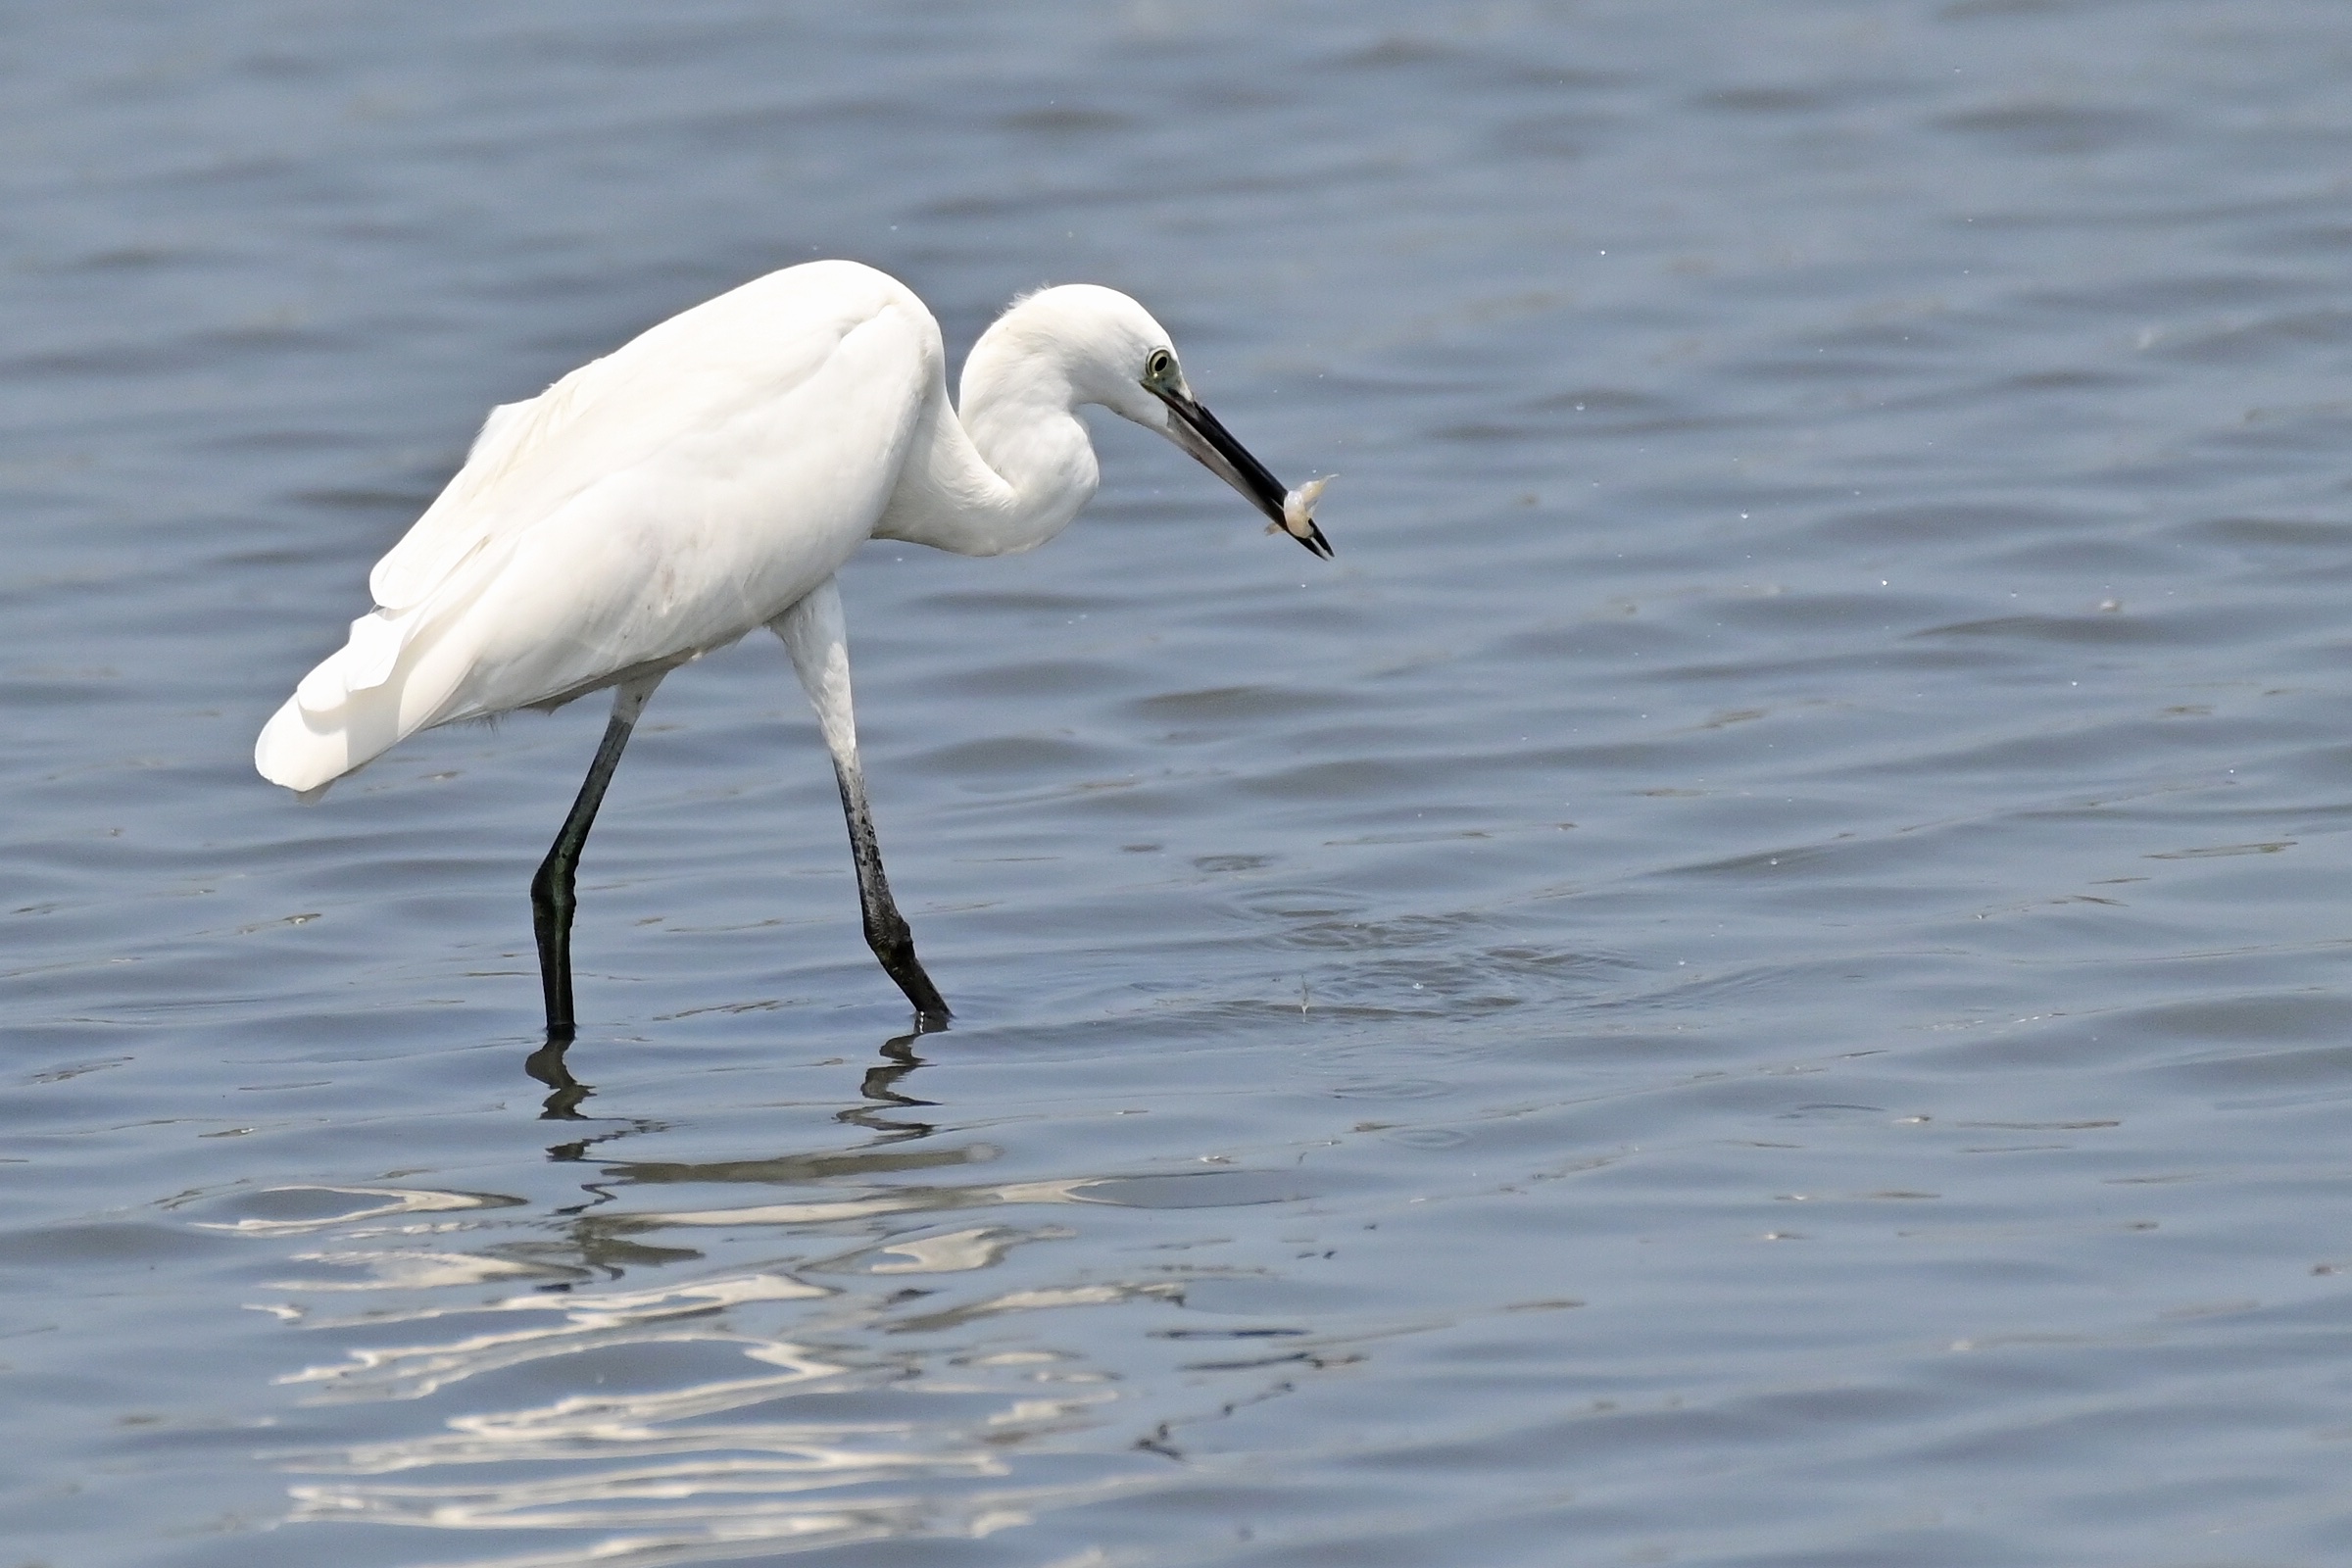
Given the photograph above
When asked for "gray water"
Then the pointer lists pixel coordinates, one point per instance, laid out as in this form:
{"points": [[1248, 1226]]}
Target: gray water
{"points": [[1753, 975]]}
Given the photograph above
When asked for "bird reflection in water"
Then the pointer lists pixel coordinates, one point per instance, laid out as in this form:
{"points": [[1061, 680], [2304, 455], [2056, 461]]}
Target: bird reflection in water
{"points": [[546, 1065], [549, 1065], [881, 1083], [705, 1375]]}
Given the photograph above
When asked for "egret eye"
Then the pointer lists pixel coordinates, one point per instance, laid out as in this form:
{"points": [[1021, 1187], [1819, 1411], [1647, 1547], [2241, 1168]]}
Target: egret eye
{"points": [[1159, 366]]}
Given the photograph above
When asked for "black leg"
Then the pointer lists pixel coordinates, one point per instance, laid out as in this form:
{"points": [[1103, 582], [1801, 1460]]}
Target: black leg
{"points": [[553, 898], [815, 636], [886, 930]]}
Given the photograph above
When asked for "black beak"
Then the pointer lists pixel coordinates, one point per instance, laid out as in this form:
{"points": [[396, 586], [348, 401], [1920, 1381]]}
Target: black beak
{"points": [[1197, 431]]}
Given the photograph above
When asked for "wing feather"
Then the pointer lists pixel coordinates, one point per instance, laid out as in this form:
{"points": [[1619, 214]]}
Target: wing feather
{"points": [[759, 341]]}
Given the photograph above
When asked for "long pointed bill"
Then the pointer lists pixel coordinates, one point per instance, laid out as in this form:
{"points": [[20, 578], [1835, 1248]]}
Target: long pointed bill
{"points": [[1196, 430]]}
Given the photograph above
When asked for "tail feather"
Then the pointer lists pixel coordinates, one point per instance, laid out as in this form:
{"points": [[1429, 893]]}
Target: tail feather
{"points": [[306, 750], [363, 700]]}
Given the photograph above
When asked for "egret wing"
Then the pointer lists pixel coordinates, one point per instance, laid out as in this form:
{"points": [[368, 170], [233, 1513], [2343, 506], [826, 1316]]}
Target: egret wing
{"points": [[700, 542], [610, 414]]}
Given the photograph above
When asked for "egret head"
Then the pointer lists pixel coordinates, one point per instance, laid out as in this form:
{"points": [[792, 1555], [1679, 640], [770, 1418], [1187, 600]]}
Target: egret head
{"points": [[1119, 356], [1193, 427]]}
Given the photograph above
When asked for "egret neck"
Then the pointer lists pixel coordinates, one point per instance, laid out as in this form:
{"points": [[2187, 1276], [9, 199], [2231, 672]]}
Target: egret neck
{"points": [[1015, 465]]}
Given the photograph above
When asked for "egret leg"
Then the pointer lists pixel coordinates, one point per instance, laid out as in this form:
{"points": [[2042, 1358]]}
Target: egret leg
{"points": [[817, 638], [552, 891]]}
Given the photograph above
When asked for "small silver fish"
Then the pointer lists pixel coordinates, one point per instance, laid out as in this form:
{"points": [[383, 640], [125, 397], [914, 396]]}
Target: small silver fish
{"points": [[1299, 516]]}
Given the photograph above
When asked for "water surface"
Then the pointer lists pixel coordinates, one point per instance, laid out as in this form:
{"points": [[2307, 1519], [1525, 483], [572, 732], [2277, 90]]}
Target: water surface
{"points": [[1750, 977]]}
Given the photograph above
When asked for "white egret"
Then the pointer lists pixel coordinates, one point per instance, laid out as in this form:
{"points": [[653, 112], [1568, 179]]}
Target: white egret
{"points": [[709, 477]]}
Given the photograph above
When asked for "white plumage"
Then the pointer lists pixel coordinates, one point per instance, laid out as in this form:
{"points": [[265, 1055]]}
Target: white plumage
{"points": [[655, 503], [709, 477]]}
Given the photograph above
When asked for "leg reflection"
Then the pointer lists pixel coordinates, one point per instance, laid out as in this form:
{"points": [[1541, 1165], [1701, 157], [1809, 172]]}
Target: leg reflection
{"points": [[882, 1082], [547, 1066]]}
